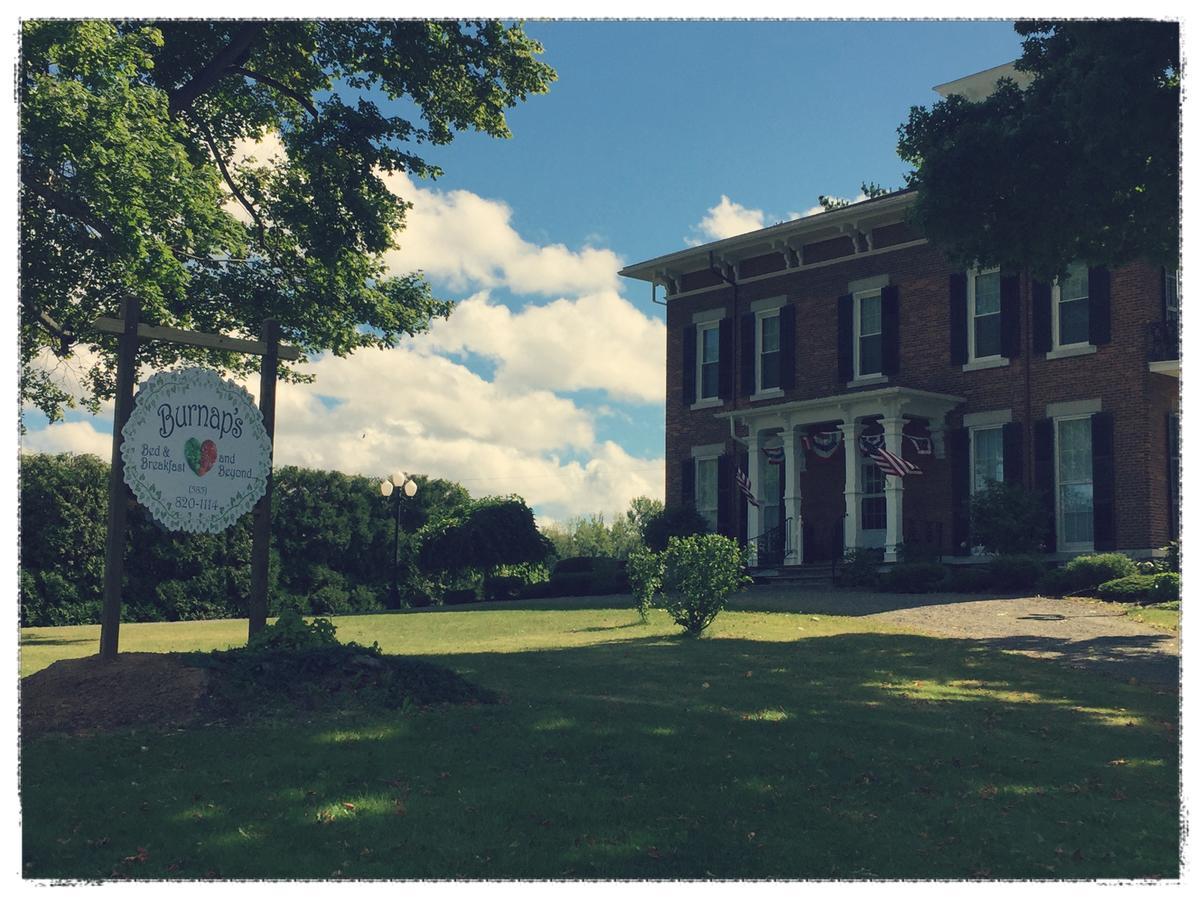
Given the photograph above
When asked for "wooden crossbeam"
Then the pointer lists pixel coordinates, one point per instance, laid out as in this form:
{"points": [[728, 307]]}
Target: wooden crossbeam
{"points": [[195, 338]]}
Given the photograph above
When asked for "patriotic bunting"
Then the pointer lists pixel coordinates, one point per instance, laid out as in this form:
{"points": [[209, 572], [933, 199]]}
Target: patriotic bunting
{"points": [[923, 445], [743, 484], [823, 443], [869, 443], [774, 455]]}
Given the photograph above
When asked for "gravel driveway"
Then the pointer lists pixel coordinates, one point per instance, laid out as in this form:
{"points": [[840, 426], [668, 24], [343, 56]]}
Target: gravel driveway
{"points": [[1079, 633]]}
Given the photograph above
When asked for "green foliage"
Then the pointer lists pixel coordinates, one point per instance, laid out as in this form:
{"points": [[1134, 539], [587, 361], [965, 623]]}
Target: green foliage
{"points": [[1007, 518], [1162, 587], [458, 596], [134, 179], [677, 521], [983, 170], [291, 632], [870, 190], [1085, 573], [502, 587], [913, 578], [1015, 572], [593, 536], [492, 532], [860, 567], [699, 574], [968, 579], [917, 552], [645, 569]]}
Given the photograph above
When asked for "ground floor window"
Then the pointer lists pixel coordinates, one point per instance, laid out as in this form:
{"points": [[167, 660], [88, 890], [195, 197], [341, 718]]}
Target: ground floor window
{"points": [[706, 490], [1173, 475], [987, 457], [1075, 509], [770, 495], [874, 503]]}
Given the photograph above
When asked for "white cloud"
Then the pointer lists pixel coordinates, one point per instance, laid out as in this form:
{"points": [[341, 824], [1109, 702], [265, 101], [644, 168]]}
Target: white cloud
{"points": [[469, 242], [68, 372], [727, 219], [598, 341], [69, 437]]}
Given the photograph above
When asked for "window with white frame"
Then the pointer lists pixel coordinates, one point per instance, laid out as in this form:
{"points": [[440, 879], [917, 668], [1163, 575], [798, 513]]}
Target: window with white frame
{"points": [[873, 501], [708, 361], [1173, 294], [706, 489], [868, 335], [1071, 307], [768, 350], [1073, 440], [983, 311], [987, 457]]}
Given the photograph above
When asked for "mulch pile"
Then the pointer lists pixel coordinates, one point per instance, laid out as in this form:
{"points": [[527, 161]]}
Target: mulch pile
{"points": [[137, 689]]}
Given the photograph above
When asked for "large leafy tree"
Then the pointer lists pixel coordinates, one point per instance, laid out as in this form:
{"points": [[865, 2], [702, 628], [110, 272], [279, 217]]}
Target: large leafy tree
{"points": [[135, 177], [1081, 164]]}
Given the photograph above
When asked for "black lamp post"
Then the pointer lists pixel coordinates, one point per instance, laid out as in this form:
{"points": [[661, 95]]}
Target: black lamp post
{"points": [[403, 486]]}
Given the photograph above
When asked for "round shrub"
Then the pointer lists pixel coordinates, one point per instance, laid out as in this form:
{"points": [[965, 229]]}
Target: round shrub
{"points": [[573, 565], [1166, 587], [699, 574], [1017, 572], [1130, 589], [913, 578], [678, 521], [1086, 573], [1008, 518], [968, 579], [860, 567]]}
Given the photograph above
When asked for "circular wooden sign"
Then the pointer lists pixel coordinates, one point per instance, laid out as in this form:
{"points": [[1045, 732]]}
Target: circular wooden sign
{"points": [[195, 451]]}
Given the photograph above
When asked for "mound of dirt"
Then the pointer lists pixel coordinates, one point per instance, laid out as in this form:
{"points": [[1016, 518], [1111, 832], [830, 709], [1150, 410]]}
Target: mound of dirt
{"points": [[90, 694]]}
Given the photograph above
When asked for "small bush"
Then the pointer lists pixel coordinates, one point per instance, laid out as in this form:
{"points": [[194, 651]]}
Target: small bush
{"points": [[1130, 589], [291, 632], [645, 578], [458, 597], [1166, 588], [1008, 518], [860, 567], [699, 574], [1086, 573], [968, 580], [498, 588], [678, 521], [913, 578], [917, 552], [1015, 572]]}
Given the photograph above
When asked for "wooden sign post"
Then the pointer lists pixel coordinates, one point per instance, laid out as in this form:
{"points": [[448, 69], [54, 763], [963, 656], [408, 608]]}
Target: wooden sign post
{"points": [[131, 334]]}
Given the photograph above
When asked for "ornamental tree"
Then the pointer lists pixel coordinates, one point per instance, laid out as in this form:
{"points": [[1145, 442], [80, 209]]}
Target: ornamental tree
{"points": [[136, 178], [1081, 164]]}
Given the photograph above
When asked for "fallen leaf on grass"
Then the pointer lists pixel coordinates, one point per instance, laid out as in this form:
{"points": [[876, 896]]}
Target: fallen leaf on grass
{"points": [[141, 856], [348, 805]]}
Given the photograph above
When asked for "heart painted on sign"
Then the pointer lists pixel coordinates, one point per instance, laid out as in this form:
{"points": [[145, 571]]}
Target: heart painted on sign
{"points": [[200, 457]]}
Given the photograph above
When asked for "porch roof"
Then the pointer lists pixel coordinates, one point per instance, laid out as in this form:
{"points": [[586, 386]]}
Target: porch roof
{"points": [[891, 402]]}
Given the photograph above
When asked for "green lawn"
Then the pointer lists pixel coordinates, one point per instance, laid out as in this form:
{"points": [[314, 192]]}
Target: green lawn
{"points": [[781, 745]]}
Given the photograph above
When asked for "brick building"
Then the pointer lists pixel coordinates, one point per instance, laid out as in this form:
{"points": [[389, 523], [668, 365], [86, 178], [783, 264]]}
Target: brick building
{"points": [[795, 350]]}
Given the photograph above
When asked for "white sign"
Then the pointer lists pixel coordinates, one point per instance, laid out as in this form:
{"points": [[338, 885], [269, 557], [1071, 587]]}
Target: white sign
{"points": [[195, 450]]}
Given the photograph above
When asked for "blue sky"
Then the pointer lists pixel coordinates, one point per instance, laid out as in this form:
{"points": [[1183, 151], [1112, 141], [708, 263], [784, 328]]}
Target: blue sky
{"points": [[547, 380]]}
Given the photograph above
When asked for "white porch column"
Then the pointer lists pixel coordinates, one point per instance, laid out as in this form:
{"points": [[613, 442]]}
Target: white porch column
{"points": [[850, 431], [753, 513], [893, 434], [791, 500]]}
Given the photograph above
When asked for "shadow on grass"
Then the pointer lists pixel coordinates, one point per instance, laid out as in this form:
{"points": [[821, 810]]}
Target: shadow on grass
{"points": [[37, 640], [851, 756], [1144, 657]]}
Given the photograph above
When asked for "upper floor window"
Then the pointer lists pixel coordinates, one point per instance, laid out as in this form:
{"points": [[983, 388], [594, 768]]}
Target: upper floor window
{"points": [[983, 313], [708, 361], [868, 335], [987, 457], [1172, 299], [768, 350], [706, 489], [1071, 309]]}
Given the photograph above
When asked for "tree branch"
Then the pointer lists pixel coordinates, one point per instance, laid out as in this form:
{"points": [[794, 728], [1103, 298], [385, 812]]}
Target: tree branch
{"points": [[241, 198], [232, 55], [69, 206], [279, 86], [51, 327]]}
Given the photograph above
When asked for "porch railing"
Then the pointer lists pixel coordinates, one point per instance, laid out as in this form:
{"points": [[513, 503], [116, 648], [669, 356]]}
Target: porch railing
{"points": [[772, 545]]}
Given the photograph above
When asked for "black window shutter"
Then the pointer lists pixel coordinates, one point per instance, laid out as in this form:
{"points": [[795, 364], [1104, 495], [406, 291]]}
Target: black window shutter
{"points": [[889, 308], [725, 520], [725, 355], [689, 365], [1163, 270], [958, 319], [1043, 475], [1012, 437], [1172, 476], [960, 490], [845, 314], [787, 347], [743, 508], [1104, 519], [687, 482], [1099, 306], [1042, 334], [1010, 317], [748, 362]]}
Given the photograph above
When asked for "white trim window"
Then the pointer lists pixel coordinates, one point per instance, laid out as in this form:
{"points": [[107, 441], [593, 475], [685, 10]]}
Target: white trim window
{"points": [[983, 315], [1172, 302], [868, 334], [1074, 508], [708, 361], [987, 456], [873, 503], [767, 339], [706, 489], [1071, 310]]}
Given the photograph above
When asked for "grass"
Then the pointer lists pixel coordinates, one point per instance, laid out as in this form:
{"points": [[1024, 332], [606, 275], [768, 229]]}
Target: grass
{"points": [[1161, 615], [781, 745]]}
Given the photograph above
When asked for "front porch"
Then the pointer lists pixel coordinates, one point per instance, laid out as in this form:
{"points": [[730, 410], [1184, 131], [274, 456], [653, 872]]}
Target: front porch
{"points": [[820, 494]]}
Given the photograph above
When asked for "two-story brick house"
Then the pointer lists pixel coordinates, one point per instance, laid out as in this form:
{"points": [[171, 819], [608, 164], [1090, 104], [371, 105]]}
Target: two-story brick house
{"points": [[796, 350]]}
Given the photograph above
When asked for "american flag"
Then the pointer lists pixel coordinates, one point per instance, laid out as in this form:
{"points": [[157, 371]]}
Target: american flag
{"points": [[774, 455], [891, 464], [743, 484]]}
